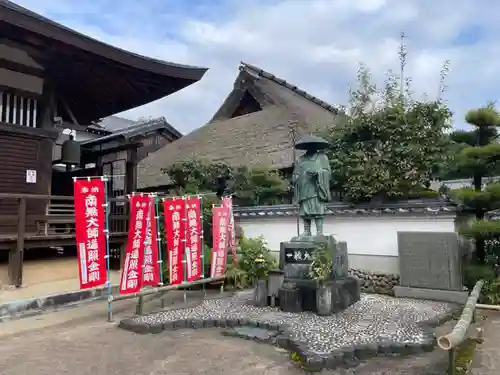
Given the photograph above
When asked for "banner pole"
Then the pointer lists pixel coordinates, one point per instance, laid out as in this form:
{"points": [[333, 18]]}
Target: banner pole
{"points": [[140, 302], [202, 238], [184, 219], [158, 239], [160, 251], [108, 255]]}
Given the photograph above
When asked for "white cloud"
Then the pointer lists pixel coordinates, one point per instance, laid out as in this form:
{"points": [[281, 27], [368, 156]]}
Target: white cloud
{"points": [[316, 44]]}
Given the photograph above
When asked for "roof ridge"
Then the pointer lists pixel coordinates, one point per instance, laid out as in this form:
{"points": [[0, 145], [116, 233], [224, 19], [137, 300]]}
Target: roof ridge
{"points": [[295, 89]]}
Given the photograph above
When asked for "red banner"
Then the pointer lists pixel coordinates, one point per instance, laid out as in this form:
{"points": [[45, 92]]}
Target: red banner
{"points": [[193, 238], [131, 277], [227, 202], [90, 232], [220, 218], [175, 231], [151, 273]]}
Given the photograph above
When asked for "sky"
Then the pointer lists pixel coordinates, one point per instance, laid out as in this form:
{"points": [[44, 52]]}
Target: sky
{"points": [[315, 44]]}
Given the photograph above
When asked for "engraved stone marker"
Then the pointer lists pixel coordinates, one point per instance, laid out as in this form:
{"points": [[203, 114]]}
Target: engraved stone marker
{"points": [[430, 260]]}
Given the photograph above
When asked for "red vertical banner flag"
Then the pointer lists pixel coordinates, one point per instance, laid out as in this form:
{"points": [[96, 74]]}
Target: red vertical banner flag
{"points": [[193, 238], [151, 273], [227, 202], [131, 277], [220, 218], [175, 230], [90, 232]]}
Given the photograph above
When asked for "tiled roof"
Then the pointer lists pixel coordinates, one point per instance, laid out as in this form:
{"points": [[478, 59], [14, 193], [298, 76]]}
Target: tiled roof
{"points": [[429, 207]]}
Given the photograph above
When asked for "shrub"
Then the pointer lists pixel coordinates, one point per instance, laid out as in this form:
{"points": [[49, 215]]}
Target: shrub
{"points": [[254, 262]]}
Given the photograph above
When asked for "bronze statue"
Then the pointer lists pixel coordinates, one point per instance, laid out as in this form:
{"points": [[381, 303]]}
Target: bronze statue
{"points": [[311, 181]]}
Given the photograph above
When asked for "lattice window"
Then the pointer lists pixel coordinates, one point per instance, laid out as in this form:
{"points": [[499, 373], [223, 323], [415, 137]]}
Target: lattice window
{"points": [[18, 110]]}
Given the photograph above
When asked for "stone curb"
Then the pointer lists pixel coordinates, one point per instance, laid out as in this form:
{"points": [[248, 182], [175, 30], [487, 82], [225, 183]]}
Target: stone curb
{"points": [[38, 305], [343, 357]]}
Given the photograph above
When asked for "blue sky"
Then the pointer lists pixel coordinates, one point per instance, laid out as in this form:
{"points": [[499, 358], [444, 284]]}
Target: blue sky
{"points": [[315, 44]]}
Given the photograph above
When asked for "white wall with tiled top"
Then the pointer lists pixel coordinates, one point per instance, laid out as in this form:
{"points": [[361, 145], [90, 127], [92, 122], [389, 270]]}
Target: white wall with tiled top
{"points": [[372, 242]]}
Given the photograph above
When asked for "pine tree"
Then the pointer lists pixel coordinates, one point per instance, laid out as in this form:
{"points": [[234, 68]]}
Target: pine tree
{"points": [[481, 161]]}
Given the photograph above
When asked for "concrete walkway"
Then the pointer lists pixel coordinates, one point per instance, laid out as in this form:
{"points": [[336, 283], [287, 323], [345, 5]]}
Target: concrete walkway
{"points": [[486, 358], [81, 342], [34, 290]]}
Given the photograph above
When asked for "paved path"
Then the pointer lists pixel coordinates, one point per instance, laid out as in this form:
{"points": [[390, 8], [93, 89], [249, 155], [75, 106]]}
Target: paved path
{"points": [[80, 342], [9, 293], [486, 358]]}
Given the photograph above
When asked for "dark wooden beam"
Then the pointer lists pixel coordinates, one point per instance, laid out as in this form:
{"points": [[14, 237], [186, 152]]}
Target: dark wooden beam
{"points": [[69, 111], [39, 54], [111, 150], [29, 131], [47, 106], [23, 93], [21, 68]]}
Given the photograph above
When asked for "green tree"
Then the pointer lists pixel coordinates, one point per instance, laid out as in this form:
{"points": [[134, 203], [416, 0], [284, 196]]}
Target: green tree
{"points": [[390, 144], [259, 186], [480, 159], [459, 140], [250, 187]]}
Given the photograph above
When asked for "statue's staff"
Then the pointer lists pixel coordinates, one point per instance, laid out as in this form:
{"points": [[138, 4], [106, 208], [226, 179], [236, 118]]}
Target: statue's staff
{"points": [[294, 140]]}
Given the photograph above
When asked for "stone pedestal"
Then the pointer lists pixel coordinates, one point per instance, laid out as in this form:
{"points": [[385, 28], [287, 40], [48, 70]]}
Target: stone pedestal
{"points": [[345, 292], [260, 294], [290, 300], [300, 290], [275, 280]]}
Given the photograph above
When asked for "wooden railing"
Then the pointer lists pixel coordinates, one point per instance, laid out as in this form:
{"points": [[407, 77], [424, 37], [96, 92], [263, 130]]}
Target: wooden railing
{"points": [[45, 221], [18, 110]]}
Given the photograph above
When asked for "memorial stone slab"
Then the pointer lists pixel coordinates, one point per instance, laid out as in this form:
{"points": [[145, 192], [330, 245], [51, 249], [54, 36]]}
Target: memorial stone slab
{"points": [[430, 260]]}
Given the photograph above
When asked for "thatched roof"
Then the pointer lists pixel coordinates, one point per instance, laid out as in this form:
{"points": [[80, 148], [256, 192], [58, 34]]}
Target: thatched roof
{"points": [[261, 137]]}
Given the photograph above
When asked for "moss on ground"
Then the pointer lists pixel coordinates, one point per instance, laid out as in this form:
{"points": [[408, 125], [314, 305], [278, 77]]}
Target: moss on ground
{"points": [[297, 360], [464, 355]]}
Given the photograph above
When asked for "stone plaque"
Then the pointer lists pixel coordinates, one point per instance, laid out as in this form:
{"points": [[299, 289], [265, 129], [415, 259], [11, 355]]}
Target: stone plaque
{"points": [[341, 261], [430, 260], [296, 258], [298, 255]]}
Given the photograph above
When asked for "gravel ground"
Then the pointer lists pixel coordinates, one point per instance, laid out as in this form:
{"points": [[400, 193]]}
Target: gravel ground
{"points": [[373, 319]]}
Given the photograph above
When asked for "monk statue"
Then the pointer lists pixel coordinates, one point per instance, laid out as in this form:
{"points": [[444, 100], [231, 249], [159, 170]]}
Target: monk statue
{"points": [[311, 181]]}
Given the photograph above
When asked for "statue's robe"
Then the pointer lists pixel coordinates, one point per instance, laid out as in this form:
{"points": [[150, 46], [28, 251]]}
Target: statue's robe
{"points": [[312, 192]]}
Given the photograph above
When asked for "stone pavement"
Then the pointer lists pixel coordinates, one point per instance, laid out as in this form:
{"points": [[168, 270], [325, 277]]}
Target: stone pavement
{"points": [[80, 342], [486, 358]]}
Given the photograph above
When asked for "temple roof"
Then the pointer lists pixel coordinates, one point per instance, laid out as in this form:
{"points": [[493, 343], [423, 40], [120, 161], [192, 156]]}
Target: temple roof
{"points": [[253, 127], [95, 79]]}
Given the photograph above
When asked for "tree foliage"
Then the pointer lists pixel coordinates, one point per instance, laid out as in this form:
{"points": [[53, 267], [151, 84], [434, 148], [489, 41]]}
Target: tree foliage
{"points": [[479, 158], [249, 187], [391, 144]]}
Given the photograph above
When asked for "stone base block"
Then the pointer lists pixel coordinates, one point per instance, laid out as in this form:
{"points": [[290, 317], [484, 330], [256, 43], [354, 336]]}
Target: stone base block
{"points": [[452, 296], [290, 300], [345, 292]]}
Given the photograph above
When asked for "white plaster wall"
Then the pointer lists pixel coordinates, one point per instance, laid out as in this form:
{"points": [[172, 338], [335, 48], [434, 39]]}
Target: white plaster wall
{"points": [[372, 242]]}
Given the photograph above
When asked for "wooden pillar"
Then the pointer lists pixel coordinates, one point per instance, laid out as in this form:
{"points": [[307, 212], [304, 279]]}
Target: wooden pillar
{"points": [[131, 171], [130, 187], [48, 104], [16, 255]]}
